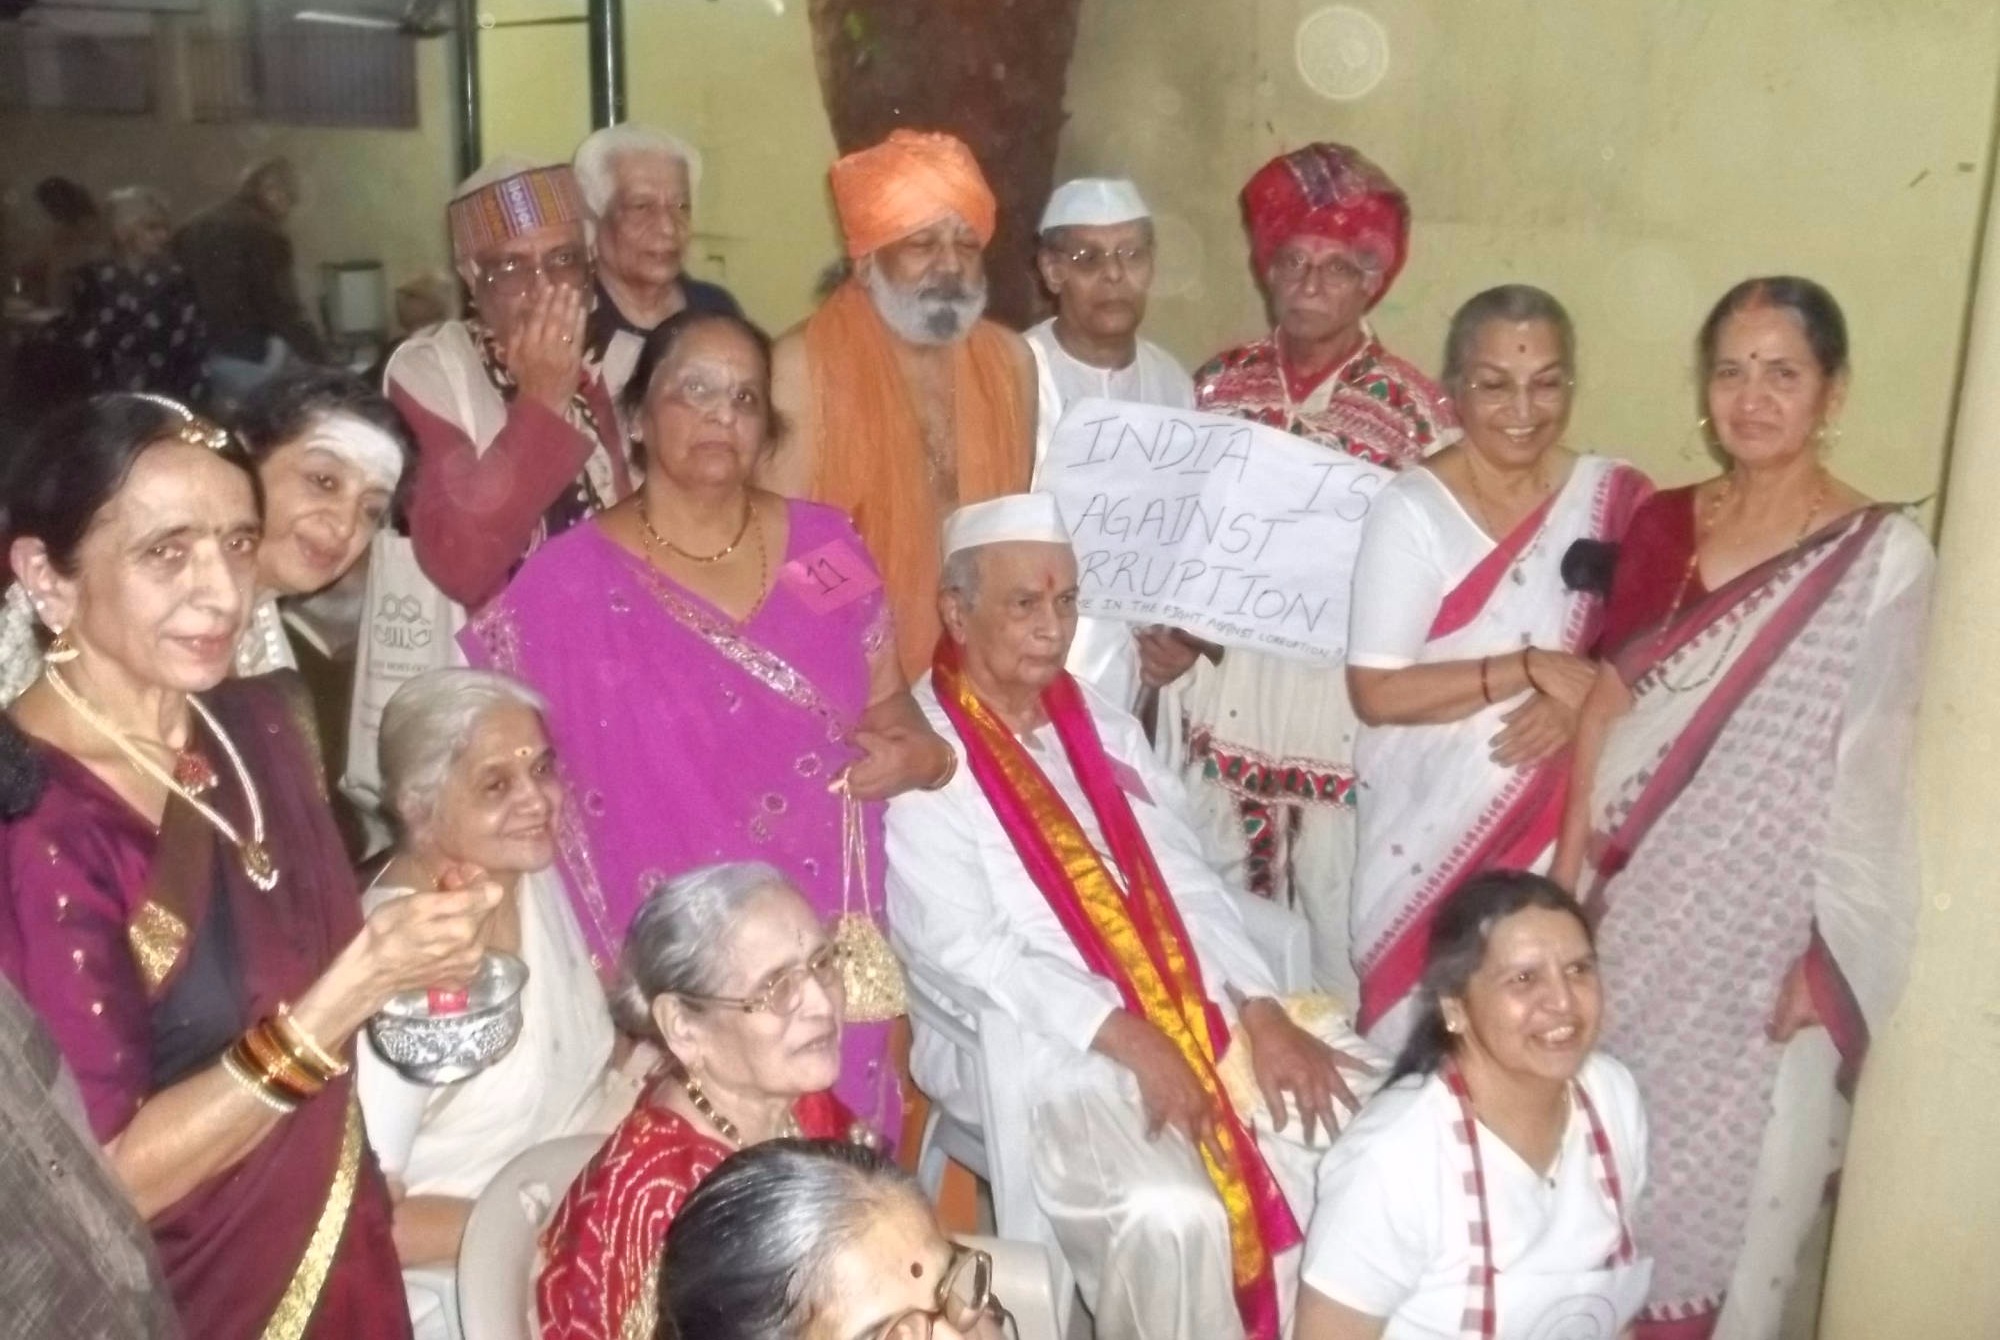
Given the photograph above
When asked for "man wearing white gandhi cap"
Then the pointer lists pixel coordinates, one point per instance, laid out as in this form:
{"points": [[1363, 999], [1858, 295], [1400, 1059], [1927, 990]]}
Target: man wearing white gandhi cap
{"points": [[1055, 872], [1096, 258]]}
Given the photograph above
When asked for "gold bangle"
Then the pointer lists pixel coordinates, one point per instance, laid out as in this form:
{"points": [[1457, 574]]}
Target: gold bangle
{"points": [[261, 1045], [251, 1085], [305, 1046], [950, 771]]}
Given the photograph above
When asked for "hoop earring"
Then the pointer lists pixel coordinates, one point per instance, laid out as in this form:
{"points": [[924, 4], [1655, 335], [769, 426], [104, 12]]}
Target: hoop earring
{"points": [[61, 651]]}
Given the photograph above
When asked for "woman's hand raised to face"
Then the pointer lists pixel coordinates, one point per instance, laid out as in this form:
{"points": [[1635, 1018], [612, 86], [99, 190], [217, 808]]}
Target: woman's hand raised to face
{"points": [[546, 351]]}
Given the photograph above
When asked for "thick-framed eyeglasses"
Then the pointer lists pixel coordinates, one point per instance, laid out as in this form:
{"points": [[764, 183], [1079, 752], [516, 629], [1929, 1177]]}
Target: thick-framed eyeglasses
{"points": [[1095, 260], [782, 994], [515, 275], [1547, 388], [1293, 268], [964, 1295]]}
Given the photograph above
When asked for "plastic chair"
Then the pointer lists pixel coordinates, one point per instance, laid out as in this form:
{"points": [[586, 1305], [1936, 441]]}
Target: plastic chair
{"points": [[1021, 1282], [993, 1042], [496, 1258]]}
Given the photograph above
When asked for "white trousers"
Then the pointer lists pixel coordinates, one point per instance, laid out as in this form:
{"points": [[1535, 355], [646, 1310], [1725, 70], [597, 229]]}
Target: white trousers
{"points": [[1138, 1220]]}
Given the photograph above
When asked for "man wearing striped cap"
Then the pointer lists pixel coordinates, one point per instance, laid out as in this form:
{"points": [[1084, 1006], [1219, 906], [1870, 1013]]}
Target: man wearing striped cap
{"points": [[516, 437]]}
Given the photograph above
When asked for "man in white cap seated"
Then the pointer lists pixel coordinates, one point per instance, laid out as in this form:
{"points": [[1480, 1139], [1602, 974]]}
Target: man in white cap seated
{"points": [[1096, 258], [1055, 872]]}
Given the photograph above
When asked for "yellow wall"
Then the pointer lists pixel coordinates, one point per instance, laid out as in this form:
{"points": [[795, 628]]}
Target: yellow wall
{"points": [[534, 83], [368, 194], [1634, 158]]}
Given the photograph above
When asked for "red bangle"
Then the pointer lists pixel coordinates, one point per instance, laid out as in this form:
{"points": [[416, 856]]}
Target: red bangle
{"points": [[1528, 668], [1485, 689]]}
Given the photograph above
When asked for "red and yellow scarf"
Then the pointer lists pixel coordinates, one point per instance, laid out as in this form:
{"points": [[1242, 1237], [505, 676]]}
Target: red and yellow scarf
{"points": [[1130, 935]]}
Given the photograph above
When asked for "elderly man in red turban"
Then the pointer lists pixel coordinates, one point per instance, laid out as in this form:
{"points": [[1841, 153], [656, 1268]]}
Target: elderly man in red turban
{"points": [[900, 400], [1269, 740]]}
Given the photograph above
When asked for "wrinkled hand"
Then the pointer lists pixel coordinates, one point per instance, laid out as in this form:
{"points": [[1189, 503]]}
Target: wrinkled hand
{"points": [[894, 759], [1537, 729], [1287, 1059], [545, 353], [1169, 1091], [1561, 676], [1165, 654], [1794, 1009], [431, 939]]}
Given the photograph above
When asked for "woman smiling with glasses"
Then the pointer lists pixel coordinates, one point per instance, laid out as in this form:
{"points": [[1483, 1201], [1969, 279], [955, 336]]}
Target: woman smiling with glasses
{"points": [[730, 970]]}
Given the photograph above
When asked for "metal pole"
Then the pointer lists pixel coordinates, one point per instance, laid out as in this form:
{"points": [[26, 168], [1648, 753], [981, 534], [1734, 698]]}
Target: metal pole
{"points": [[465, 80], [607, 62]]}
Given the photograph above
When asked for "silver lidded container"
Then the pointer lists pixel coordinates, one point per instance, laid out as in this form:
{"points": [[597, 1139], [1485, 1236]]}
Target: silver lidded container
{"points": [[443, 1048]]}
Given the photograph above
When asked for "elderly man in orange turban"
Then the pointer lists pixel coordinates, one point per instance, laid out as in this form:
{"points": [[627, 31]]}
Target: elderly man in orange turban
{"points": [[900, 400]]}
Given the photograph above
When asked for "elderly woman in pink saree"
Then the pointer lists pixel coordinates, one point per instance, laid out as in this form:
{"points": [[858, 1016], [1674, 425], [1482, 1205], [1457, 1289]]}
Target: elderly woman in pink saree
{"points": [[1741, 821], [1477, 595], [715, 658]]}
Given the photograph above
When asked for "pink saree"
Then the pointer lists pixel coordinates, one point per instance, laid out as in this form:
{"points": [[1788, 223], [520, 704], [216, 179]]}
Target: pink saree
{"points": [[688, 738], [1752, 810], [1434, 808]]}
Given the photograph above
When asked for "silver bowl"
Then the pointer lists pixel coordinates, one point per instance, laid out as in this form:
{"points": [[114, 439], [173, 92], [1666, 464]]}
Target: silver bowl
{"points": [[445, 1048]]}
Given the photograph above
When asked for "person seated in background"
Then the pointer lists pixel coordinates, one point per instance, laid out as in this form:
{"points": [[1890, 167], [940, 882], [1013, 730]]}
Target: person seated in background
{"points": [[803, 1239], [471, 780], [639, 185], [330, 453], [898, 400], [240, 259], [1056, 872], [133, 318], [1096, 259], [517, 440], [734, 975], [1493, 1177]]}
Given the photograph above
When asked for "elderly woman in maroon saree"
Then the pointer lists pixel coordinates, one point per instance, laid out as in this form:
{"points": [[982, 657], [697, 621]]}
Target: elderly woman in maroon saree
{"points": [[1741, 819], [175, 902]]}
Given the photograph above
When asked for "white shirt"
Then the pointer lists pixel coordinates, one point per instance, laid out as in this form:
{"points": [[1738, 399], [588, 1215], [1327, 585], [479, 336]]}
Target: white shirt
{"points": [[1417, 546], [1103, 652], [962, 905], [450, 1141], [1389, 1235]]}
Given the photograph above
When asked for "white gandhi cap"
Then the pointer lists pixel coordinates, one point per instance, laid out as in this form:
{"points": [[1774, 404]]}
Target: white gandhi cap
{"points": [[1018, 517], [1094, 202]]}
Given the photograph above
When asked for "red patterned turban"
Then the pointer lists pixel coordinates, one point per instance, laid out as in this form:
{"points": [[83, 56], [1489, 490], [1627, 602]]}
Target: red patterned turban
{"points": [[1329, 191]]}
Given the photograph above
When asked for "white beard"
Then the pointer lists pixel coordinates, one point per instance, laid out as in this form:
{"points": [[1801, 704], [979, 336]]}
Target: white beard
{"points": [[928, 314]]}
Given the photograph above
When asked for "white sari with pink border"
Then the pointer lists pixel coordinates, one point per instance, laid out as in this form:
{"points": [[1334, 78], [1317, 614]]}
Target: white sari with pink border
{"points": [[1434, 808]]}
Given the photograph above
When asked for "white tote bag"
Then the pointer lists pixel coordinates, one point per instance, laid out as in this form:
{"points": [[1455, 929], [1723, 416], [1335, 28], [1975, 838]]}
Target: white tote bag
{"points": [[409, 626]]}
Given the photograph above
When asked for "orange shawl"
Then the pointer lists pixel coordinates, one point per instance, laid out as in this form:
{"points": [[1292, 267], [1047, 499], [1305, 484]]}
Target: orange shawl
{"points": [[871, 458]]}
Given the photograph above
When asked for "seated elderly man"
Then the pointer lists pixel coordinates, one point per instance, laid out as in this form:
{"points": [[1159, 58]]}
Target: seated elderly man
{"points": [[516, 438], [1055, 873], [900, 401], [638, 184]]}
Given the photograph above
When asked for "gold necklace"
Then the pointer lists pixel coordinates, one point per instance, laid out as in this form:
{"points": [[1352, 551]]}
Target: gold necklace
{"points": [[724, 1127], [255, 856], [655, 540]]}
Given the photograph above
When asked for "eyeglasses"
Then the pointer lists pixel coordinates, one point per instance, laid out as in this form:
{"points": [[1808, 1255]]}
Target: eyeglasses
{"points": [[1093, 260], [1293, 268], [1545, 389], [515, 275], [705, 395], [782, 994], [963, 1296]]}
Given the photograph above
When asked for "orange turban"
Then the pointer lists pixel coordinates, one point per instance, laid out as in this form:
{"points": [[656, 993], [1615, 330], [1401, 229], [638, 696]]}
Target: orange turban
{"points": [[908, 182]]}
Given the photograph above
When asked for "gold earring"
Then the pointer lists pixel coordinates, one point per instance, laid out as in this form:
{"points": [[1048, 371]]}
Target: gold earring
{"points": [[60, 651]]}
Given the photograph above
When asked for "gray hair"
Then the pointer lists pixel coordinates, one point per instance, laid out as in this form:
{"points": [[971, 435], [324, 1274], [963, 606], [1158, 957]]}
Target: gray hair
{"points": [[679, 939], [1513, 304], [129, 204], [596, 158], [751, 1254], [425, 728], [960, 574]]}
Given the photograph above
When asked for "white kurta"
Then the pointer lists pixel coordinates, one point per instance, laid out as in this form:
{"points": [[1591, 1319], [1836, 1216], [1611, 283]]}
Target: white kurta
{"points": [[1102, 653], [1389, 1236], [451, 1140], [1137, 1219]]}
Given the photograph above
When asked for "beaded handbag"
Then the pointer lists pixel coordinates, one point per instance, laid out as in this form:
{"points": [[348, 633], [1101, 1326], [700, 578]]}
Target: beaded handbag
{"points": [[869, 968]]}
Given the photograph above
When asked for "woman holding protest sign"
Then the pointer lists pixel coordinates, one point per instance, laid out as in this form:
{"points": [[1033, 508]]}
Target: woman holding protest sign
{"points": [[1477, 595]]}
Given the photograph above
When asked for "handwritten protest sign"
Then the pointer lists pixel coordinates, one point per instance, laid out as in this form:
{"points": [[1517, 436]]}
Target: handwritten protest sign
{"points": [[1231, 530]]}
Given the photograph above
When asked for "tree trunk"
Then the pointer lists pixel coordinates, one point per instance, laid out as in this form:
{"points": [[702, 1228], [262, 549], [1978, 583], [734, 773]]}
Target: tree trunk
{"points": [[992, 72]]}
